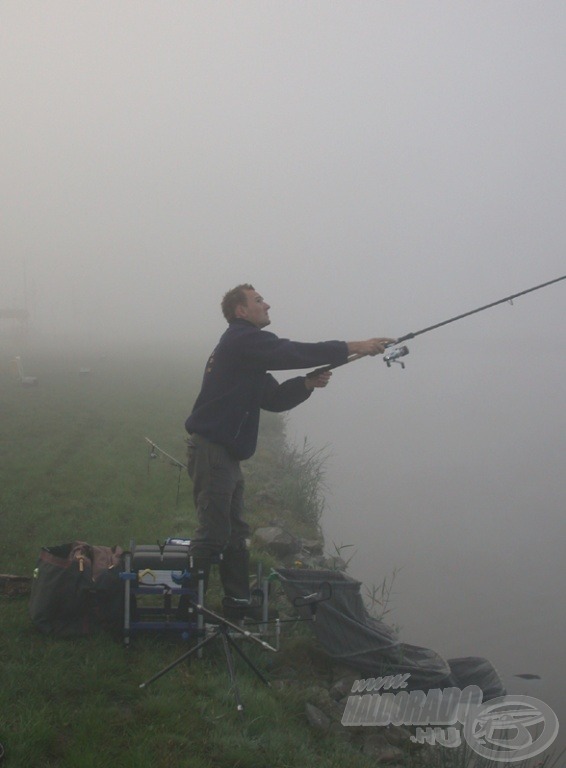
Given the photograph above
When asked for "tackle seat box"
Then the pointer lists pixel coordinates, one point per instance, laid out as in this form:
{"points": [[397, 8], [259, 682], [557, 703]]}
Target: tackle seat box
{"points": [[170, 557], [156, 578]]}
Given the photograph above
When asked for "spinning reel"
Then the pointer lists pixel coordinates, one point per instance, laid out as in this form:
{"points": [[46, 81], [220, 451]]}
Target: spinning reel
{"points": [[393, 355]]}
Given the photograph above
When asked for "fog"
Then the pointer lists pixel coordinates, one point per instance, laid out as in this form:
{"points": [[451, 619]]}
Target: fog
{"points": [[372, 168]]}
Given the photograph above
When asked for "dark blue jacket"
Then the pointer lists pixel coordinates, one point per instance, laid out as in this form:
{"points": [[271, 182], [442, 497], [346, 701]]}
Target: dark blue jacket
{"points": [[236, 384]]}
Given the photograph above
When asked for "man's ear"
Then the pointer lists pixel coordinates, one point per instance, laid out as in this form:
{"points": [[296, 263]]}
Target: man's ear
{"points": [[241, 311]]}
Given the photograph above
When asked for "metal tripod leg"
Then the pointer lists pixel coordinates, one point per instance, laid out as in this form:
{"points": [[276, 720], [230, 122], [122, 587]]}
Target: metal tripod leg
{"points": [[194, 649], [231, 670], [228, 643], [248, 661]]}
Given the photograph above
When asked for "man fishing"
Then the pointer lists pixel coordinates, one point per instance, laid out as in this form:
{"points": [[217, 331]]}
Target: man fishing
{"points": [[224, 423]]}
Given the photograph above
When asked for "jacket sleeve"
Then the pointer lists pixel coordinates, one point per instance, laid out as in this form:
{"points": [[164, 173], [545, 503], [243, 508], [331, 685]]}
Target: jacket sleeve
{"points": [[282, 397], [275, 354]]}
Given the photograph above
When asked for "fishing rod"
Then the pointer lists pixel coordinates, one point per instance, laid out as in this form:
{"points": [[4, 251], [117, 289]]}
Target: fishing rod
{"points": [[155, 451], [396, 352]]}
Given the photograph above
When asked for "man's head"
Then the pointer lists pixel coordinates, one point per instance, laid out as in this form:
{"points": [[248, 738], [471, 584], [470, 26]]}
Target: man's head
{"points": [[245, 303]]}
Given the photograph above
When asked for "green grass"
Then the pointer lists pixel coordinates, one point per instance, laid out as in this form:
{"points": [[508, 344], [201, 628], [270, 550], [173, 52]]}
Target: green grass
{"points": [[74, 465], [74, 462]]}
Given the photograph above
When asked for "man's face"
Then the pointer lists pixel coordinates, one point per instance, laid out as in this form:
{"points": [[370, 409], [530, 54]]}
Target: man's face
{"points": [[255, 311]]}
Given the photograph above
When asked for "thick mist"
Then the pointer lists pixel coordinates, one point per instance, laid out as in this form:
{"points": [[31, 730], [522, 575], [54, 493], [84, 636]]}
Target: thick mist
{"points": [[372, 168]]}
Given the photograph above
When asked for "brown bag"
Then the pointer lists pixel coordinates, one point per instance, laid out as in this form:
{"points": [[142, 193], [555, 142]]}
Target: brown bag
{"points": [[76, 588]]}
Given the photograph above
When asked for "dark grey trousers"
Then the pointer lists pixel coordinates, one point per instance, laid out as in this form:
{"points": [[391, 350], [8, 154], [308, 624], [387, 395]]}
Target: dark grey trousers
{"points": [[218, 492]]}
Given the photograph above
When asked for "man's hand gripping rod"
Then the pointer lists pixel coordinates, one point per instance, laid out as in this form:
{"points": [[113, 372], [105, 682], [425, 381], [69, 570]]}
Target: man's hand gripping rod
{"points": [[396, 352], [392, 356]]}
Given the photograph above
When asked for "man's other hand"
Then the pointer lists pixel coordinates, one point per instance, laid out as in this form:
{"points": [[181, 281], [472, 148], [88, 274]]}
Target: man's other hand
{"points": [[318, 380]]}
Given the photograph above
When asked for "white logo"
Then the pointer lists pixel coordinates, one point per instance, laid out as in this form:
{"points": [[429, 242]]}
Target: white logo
{"points": [[511, 728], [508, 729]]}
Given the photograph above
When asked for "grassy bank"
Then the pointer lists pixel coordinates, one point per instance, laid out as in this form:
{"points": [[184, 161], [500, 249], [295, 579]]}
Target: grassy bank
{"points": [[74, 465]]}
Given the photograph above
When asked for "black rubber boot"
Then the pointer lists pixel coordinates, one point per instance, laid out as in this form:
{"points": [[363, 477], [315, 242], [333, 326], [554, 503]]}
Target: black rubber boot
{"points": [[234, 574]]}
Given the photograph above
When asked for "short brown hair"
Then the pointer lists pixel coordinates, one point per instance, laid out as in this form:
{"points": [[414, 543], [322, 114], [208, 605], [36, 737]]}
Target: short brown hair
{"points": [[234, 298]]}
